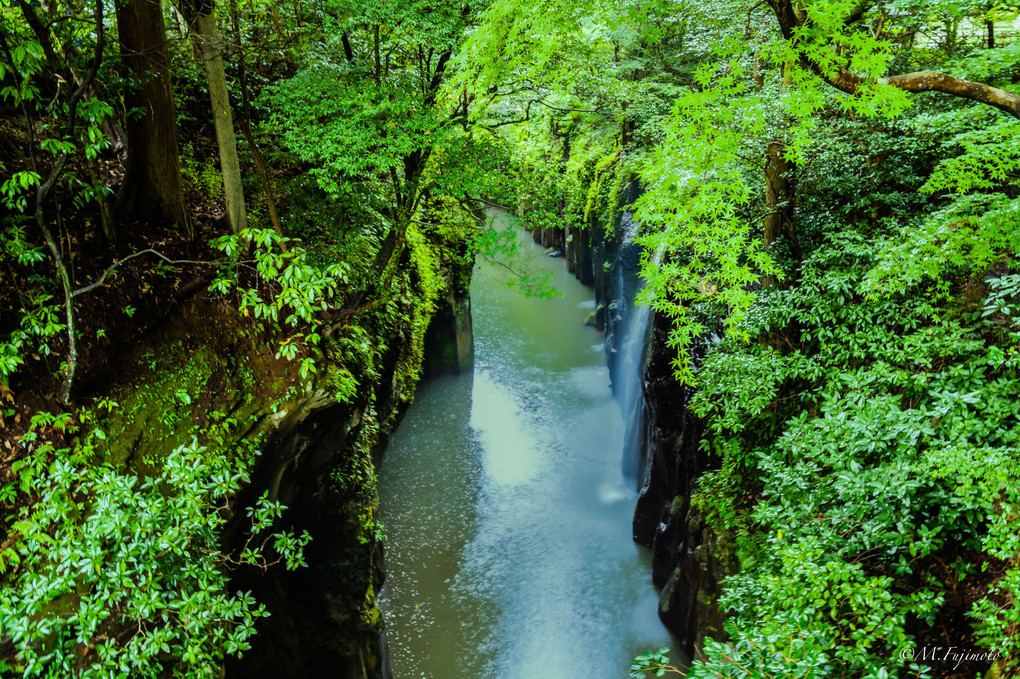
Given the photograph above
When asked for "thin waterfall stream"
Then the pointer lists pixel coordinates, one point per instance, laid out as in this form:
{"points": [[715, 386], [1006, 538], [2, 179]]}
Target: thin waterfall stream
{"points": [[508, 518], [628, 366]]}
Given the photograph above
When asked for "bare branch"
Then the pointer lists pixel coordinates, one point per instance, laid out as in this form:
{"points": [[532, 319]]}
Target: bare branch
{"points": [[526, 118], [492, 204], [527, 113], [750, 10], [113, 267]]}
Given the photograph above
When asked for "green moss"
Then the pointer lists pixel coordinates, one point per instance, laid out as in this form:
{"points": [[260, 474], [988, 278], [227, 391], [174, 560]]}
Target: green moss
{"points": [[159, 410], [204, 378], [372, 616], [609, 180], [208, 378]]}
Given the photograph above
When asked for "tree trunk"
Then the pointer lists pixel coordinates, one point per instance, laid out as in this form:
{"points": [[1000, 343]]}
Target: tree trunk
{"points": [[375, 49], [245, 126], [777, 191], [210, 45], [105, 219], [779, 199], [152, 186]]}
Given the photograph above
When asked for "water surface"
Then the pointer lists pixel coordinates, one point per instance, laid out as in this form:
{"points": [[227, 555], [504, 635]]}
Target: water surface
{"points": [[509, 548]]}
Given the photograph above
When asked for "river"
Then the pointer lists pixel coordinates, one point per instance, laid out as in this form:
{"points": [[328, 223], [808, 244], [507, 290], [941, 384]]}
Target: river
{"points": [[509, 551]]}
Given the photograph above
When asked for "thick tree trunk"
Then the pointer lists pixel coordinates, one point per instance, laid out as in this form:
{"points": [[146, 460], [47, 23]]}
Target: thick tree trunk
{"points": [[245, 126], [152, 183], [210, 45]]}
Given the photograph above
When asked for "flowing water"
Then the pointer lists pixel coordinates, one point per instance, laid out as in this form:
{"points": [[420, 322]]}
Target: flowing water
{"points": [[628, 367], [509, 551]]}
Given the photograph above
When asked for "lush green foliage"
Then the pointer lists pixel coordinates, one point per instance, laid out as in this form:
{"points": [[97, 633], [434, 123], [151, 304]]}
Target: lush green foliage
{"points": [[656, 662], [372, 179], [109, 575], [70, 125], [878, 442], [858, 362], [288, 293]]}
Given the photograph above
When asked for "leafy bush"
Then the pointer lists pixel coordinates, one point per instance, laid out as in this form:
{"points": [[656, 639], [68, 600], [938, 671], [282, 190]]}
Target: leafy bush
{"points": [[288, 291], [862, 442], [109, 575]]}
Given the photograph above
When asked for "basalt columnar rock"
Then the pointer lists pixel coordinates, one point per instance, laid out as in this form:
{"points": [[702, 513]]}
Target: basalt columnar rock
{"points": [[324, 619], [449, 345], [684, 563]]}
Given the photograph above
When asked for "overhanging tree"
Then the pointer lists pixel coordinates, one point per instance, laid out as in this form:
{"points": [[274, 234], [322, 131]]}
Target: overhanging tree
{"points": [[367, 109], [831, 38]]}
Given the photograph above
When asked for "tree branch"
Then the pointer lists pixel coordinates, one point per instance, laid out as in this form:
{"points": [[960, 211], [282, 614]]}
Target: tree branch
{"points": [[113, 267], [42, 193], [920, 81], [490, 203], [750, 10], [42, 34], [437, 79], [568, 110], [858, 12], [526, 118], [527, 113], [348, 52]]}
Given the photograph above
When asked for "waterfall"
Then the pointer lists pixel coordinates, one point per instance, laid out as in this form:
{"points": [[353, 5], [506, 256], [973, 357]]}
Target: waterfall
{"points": [[627, 347], [632, 401]]}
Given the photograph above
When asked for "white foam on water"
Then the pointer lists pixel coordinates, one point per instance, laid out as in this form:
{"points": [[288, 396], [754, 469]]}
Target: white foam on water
{"points": [[610, 493]]}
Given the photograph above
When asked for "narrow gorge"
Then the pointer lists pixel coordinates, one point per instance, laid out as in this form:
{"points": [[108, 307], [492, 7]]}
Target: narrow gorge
{"points": [[375, 339]]}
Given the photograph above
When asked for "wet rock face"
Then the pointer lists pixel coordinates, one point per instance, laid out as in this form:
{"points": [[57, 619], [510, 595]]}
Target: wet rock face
{"points": [[449, 341], [683, 554], [683, 562], [323, 621], [673, 460]]}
